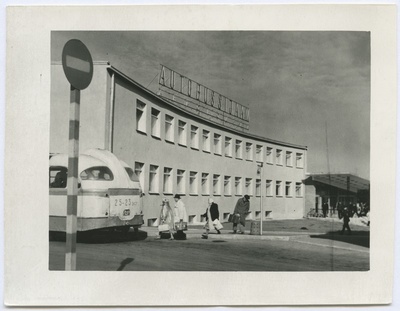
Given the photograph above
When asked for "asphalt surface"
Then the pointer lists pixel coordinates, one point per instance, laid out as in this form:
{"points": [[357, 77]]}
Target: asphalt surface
{"points": [[302, 245]]}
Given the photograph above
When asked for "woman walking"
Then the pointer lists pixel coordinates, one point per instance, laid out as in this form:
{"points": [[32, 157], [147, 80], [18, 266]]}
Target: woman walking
{"points": [[166, 219]]}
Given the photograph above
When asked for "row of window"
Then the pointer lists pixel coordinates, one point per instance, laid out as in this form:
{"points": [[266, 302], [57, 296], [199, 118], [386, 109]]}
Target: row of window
{"points": [[221, 146], [215, 184]]}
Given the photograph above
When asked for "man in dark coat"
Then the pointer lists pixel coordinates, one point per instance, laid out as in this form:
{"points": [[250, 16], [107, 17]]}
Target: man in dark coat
{"points": [[241, 209], [325, 208], [214, 214], [346, 220]]}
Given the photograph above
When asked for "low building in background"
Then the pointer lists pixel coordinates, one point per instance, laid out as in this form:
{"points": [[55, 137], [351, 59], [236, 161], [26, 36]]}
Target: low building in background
{"points": [[334, 188], [196, 146]]}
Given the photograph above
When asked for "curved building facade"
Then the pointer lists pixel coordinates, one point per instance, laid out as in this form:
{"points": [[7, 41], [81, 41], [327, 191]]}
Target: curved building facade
{"points": [[174, 150]]}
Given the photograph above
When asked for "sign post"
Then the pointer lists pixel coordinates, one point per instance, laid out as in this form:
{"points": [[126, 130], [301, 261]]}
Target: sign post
{"points": [[78, 68]]}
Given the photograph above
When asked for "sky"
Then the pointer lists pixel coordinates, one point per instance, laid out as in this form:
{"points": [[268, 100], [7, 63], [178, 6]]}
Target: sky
{"points": [[306, 88]]}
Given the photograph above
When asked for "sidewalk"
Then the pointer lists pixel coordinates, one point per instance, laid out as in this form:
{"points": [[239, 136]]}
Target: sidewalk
{"points": [[320, 233], [283, 230]]}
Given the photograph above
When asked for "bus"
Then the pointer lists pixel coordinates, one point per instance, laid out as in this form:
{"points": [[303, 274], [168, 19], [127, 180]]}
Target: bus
{"points": [[109, 193]]}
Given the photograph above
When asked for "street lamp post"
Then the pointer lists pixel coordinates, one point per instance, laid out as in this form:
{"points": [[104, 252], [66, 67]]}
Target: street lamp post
{"points": [[260, 170]]}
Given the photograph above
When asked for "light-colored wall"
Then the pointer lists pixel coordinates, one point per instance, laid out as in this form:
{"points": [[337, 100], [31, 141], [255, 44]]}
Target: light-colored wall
{"points": [[92, 110], [310, 194]]}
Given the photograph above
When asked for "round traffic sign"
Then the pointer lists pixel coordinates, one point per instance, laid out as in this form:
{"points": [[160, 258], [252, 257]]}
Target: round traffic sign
{"points": [[77, 64]]}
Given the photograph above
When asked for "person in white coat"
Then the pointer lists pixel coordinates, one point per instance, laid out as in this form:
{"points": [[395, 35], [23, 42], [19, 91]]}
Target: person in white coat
{"points": [[167, 217], [180, 214]]}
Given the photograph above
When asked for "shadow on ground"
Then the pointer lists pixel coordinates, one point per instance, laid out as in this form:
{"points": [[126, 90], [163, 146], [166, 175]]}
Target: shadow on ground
{"points": [[101, 236], [124, 263], [360, 238]]}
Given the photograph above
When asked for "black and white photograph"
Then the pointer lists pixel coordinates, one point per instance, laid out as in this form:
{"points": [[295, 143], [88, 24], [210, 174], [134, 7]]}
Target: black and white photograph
{"points": [[213, 151], [200, 155]]}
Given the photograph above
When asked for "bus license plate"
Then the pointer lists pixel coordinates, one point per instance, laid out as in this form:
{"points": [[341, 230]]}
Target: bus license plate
{"points": [[124, 202]]}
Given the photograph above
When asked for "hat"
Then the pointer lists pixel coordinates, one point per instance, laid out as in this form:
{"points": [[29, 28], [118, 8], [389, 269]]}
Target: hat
{"points": [[177, 196], [247, 197]]}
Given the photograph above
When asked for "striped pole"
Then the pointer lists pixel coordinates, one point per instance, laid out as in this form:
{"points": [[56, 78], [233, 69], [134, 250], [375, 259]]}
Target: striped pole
{"points": [[72, 190]]}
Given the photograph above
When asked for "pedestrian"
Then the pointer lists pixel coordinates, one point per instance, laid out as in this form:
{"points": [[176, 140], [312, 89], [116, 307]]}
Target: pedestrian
{"points": [[346, 220], [166, 218], [180, 216], [241, 209], [212, 218], [325, 208], [339, 209]]}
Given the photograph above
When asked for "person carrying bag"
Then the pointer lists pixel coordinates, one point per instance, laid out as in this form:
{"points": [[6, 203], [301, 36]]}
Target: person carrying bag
{"points": [[166, 223], [180, 217], [241, 209], [212, 218]]}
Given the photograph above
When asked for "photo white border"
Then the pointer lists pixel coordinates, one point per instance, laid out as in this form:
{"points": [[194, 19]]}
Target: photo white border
{"points": [[27, 278]]}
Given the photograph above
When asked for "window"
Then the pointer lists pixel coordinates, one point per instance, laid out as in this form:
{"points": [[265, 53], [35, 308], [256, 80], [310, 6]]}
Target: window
{"points": [[298, 189], [139, 167], [278, 157], [278, 190], [289, 158], [58, 177], [288, 189], [169, 128], [131, 174], [97, 173], [269, 155], [206, 141], [205, 185], [258, 187], [140, 116], [238, 149], [238, 185], [249, 186], [299, 160], [167, 186], [259, 153], [193, 183], [228, 147], [268, 188], [227, 185], [217, 144], [194, 136], [216, 184], [182, 133], [155, 122], [249, 151], [180, 181], [153, 185]]}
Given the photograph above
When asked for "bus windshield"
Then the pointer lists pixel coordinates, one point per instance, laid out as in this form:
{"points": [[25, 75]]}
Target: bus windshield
{"points": [[100, 173]]}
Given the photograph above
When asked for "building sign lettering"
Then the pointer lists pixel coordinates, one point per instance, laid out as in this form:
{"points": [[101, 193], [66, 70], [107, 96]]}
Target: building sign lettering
{"points": [[187, 87]]}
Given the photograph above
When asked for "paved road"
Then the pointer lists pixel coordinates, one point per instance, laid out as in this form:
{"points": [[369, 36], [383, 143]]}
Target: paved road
{"points": [[105, 252]]}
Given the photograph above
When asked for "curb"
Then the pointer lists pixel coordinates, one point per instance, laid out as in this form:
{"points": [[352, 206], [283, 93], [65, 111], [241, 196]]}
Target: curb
{"points": [[247, 237]]}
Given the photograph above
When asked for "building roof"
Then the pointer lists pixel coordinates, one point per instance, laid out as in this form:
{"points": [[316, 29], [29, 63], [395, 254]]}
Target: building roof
{"points": [[343, 181], [179, 107]]}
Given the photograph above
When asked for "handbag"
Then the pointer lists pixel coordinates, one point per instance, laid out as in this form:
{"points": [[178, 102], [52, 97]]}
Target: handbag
{"points": [[163, 227], [230, 218], [217, 224]]}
